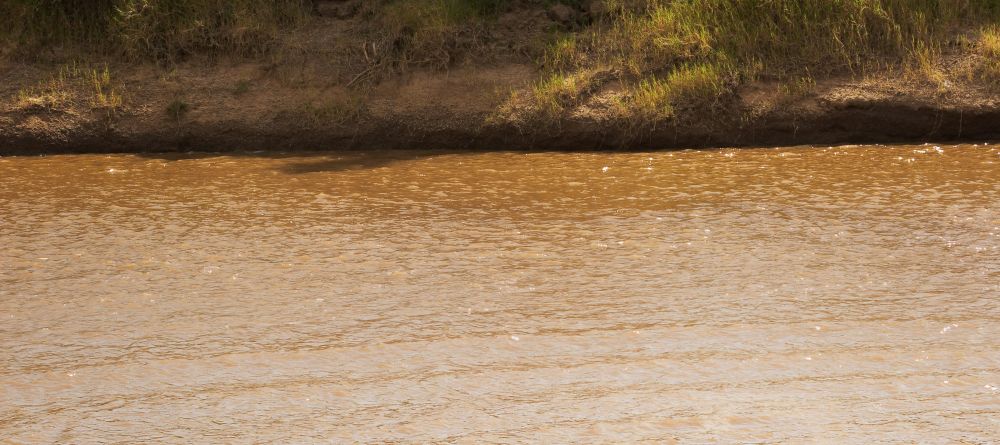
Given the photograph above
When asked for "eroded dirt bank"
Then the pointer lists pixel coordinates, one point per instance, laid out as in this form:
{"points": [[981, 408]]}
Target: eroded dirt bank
{"points": [[340, 80], [199, 108]]}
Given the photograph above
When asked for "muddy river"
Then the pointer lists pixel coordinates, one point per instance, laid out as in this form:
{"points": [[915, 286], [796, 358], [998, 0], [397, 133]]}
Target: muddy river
{"points": [[791, 295]]}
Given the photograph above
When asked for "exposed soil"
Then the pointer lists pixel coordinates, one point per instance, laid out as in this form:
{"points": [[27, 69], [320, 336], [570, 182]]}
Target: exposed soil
{"points": [[320, 92]]}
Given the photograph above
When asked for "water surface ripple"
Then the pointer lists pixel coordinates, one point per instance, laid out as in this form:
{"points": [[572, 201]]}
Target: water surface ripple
{"points": [[791, 295]]}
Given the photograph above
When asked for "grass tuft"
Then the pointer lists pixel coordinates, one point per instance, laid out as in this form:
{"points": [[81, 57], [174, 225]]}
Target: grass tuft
{"points": [[177, 109], [242, 87], [658, 98], [337, 111], [988, 68], [554, 93], [74, 81], [563, 54]]}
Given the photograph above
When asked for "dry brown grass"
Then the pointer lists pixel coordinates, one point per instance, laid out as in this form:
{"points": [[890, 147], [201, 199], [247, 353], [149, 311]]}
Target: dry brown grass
{"points": [[148, 29], [75, 82], [333, 111], [988, 49], [673, 54]]}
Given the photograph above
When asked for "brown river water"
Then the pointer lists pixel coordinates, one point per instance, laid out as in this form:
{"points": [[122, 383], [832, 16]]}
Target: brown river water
{"points": [[790, 295]]}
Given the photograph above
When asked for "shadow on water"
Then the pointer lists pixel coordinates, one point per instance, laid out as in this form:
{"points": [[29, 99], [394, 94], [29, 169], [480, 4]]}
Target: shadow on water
{"points": [[305, 162], [351, 161]]}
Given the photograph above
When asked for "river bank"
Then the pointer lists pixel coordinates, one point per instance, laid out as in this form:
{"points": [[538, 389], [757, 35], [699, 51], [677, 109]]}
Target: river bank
{"points": [[453, 110], [523, 76]]}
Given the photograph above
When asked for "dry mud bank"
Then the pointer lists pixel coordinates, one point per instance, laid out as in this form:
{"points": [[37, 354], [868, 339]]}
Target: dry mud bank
{"points": [[342, 80], [237, 107]]}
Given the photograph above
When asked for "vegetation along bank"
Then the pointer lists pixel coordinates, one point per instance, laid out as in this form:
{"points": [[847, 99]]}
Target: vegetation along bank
{"points": [[156, 75]]}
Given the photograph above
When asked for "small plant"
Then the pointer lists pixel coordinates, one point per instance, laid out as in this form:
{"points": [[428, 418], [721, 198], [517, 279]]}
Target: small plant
{"points": [[105, 95], [336, 111], [242, 87], [798, 87], [177, 108], [45, 96]]}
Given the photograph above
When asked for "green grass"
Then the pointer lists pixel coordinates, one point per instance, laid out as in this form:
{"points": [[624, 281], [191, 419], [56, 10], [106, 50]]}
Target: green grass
{"points": [[177, 109], [785, 36], [683, 52], [335, 111], [563, 54], [554, 93], [656, 98]]}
